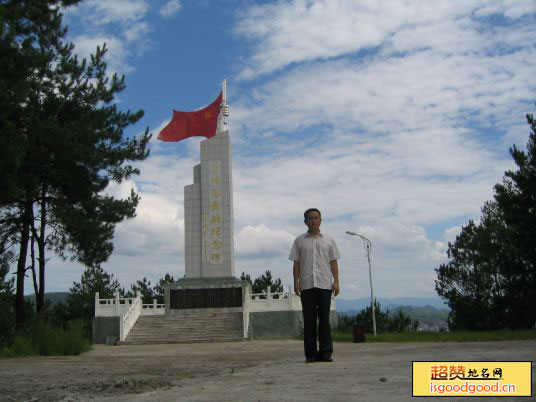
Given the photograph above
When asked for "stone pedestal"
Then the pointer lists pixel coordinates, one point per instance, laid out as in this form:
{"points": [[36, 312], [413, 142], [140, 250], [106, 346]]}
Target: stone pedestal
{"points": [[190, 295]]}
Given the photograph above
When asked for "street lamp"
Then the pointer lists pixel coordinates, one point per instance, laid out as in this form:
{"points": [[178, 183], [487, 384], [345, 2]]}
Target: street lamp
{"points": [[368, 248]]}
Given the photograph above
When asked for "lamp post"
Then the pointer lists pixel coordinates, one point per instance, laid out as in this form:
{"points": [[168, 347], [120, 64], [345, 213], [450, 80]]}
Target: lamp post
{"points": [[368, 247]]}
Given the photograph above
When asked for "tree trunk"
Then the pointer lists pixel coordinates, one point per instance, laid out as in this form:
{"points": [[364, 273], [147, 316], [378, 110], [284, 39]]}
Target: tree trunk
{"points": [[41, 244], [21, 264]]}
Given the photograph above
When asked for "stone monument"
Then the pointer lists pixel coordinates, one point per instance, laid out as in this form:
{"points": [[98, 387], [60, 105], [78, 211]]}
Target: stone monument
{"points": [[209, 282]]}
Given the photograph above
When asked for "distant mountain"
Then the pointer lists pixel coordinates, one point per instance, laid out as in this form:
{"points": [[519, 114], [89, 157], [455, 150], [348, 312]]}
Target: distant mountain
{"points": [[390, 303], [431, 312], [430, 318], [52, 297]]}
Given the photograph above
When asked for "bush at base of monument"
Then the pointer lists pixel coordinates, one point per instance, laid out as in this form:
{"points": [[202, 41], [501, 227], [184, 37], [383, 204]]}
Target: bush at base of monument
{"points": [[46, 339]]}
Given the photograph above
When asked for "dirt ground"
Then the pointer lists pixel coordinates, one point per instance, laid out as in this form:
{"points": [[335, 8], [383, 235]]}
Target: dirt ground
{"points": [[239, 371]]}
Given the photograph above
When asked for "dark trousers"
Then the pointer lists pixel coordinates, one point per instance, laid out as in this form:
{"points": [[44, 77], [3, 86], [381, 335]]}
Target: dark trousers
{"points": [[315, 307]]}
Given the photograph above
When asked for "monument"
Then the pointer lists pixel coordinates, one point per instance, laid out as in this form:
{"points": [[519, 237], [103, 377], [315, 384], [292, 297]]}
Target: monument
{"points": [[209, 303], [209, 281]]}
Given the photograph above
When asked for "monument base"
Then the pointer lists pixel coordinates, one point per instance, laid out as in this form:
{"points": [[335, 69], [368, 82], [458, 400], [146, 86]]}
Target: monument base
{"points": [[190, 295]]}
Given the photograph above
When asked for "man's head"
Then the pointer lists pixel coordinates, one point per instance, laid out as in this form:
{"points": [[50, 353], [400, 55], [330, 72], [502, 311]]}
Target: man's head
{"points": [[313, 219]]}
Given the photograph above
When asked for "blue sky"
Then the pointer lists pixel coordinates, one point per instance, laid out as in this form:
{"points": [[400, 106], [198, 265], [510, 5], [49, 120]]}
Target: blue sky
{"points": [[394, 118]]}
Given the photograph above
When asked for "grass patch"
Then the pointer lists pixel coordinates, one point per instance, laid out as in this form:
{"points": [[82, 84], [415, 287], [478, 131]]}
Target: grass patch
{"points": [[46, 339], [457, 336]]}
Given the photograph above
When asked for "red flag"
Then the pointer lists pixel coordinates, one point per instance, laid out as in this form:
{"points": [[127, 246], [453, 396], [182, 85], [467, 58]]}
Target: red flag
{"points": [[202, 122]]}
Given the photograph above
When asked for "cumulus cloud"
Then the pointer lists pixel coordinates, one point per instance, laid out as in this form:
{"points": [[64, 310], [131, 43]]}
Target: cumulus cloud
{"points": [[169, 9], [255, 240], [113, 11], [287, 33], [85, 46], [118, 23]]}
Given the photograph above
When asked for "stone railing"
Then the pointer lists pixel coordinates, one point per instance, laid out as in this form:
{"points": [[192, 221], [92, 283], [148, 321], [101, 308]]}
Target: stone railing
{"points": [[127, 320], [245, 312], [153, 309], [283, 301], [120, 305], [128, 309]]}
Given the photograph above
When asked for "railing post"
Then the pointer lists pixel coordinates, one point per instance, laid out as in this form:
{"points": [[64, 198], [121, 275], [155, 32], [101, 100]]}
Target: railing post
{"points": [[245, 311], [154, 304], [269, 298], [117, 311], [97, 304], [290, 296]]}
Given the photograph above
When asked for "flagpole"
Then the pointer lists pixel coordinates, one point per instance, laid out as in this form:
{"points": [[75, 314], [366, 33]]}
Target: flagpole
{"points": [[224, 110]]}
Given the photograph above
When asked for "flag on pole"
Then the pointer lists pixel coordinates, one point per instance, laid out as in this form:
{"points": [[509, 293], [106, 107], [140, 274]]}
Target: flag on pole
{"points": [[202, 122]]}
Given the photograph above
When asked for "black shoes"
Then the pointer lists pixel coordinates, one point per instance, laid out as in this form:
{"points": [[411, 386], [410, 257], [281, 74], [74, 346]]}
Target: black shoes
{"points": [[318, 359]]}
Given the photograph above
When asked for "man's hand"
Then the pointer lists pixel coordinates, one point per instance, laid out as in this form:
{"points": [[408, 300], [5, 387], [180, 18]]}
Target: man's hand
{"points": [[335, 272], [296, 274], [335, 288], [297, 288]]}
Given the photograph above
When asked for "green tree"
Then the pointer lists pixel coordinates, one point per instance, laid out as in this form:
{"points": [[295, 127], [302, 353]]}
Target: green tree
{"points": [[72, 148], [144, 287], [81, 300], [364, 317], [22, 22], [386, 321], [516, 199], [401, 322], [474, 279], [246, 277], [7, 297], [260, 284], [489, 281], [159, 287]]}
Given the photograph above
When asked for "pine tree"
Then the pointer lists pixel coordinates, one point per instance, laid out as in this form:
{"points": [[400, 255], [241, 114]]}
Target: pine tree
{"points": [[81, 299], [490, 280], [69, 145], [159, 287], [144, 287]]}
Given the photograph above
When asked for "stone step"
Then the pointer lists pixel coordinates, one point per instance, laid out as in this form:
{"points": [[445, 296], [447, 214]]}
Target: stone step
{"points": [[168, 341], [186, 328]]}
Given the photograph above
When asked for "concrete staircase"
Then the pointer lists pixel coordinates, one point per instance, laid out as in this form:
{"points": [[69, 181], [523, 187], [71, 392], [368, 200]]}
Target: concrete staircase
{"points": [[186, 328]]}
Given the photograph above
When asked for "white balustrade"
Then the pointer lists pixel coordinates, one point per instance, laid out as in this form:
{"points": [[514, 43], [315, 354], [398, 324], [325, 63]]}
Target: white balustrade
{"points": [[127, 320], [282, 301], [153, 309], [245, 312], [119, 306], [128, 309]]}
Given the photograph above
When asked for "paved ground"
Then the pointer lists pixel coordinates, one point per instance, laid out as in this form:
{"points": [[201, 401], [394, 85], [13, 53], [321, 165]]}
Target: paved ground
{"points": [[240, 371]]}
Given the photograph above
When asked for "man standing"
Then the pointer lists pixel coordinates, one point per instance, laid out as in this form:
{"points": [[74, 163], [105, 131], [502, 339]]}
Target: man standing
{"points": [[315, 264]]}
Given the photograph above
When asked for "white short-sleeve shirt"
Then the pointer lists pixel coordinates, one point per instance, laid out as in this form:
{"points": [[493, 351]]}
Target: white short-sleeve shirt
{"points": [[314, 254]]}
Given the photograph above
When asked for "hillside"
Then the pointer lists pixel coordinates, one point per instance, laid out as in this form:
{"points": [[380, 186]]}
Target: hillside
{"points": [[51, 297]]}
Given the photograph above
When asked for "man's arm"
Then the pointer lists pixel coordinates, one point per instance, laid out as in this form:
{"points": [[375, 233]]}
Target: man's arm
{"points": [[296, 273], [335, 272]]}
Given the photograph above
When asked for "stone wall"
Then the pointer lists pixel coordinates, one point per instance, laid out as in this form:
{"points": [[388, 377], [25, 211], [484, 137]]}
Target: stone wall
{"points": [[104, 327], [280, 324]]}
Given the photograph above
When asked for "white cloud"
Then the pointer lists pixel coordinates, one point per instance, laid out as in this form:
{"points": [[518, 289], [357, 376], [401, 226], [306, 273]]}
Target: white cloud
{"points": [[114, 11], [298, 31], [117, 53], [137, 31], [286, 33], [169, 9], [255, 240], [122, 24]]}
